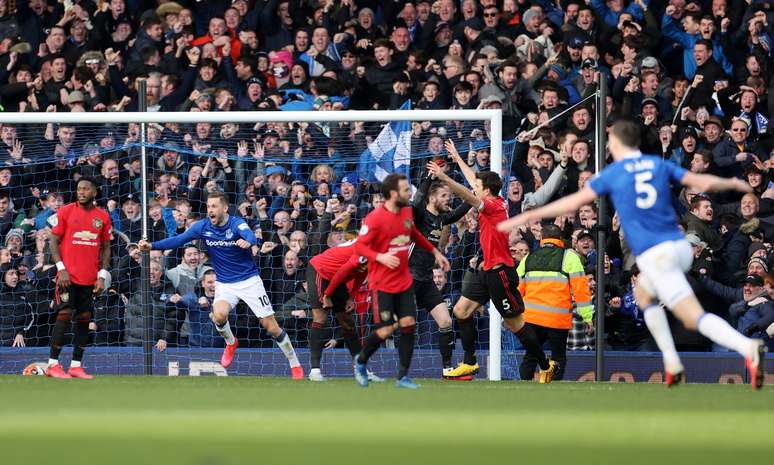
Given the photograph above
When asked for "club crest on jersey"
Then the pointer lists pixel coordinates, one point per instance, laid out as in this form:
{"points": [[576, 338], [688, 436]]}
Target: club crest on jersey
{"points": [[97, 223], [229, 234], [385, 315]]}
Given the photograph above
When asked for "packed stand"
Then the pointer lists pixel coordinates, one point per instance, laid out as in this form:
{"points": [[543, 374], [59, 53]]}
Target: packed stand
{"points": [[696, 75]]}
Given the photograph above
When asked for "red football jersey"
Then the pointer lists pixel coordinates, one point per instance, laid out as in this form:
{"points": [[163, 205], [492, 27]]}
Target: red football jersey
{"points": [[384, 231], [338, 265], [81, 233], [494, 244]]}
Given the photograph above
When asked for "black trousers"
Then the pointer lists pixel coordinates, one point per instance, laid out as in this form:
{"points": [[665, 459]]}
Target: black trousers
{"points": [[557, 340]]}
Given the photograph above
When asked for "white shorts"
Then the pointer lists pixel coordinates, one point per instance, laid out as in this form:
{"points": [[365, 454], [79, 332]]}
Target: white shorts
{"points": [[249, 291], [662, 271]]}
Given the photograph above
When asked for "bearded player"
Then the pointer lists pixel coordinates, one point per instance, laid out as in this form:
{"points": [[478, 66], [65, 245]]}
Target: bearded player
{"points": [[385, 240], [80, 247], [431, 214], [229, 240]]}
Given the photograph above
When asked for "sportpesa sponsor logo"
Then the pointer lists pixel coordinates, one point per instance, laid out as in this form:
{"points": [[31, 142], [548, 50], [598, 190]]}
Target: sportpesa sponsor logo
{"points": [[220, 243]]}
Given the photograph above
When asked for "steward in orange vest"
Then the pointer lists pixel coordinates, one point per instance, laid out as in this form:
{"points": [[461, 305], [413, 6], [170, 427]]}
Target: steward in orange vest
{"points": [[552, 282]]}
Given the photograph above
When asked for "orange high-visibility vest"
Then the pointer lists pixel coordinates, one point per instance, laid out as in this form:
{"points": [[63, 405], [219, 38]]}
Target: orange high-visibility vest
{"points": [[552, 282]]}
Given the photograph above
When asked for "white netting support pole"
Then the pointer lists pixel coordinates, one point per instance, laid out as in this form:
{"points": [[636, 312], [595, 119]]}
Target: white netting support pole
{"points": [[494, 366]]}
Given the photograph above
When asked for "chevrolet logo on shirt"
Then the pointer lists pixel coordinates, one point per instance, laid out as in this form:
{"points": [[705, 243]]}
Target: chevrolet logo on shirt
{"points": [[401, 240], [85, 238], [85, 235]]}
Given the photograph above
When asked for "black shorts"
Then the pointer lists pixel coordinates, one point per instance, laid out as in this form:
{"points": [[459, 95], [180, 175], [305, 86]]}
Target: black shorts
{"points": [[77, 298], [389, 308], [500, 285], [427, 294], [315, 289]]}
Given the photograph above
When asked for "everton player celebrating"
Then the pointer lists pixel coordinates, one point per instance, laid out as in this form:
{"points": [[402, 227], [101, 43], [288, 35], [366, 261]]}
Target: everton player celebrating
{"points": [[326, 279], [384, 240], [639, 186], [80, 246], [228, 240], [431, 214], [497, 281]]}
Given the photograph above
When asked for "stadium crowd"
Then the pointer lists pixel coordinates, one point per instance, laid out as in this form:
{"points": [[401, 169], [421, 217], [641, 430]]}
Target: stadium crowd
{"points": [[696, 74]]}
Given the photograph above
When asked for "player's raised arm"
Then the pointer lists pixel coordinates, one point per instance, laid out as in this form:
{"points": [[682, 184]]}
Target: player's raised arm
{"points": [[712, 183], [564, 205], [463, 192], [467, 171]]}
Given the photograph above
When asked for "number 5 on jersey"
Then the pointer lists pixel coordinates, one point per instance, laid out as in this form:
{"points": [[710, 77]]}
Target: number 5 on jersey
{"points": [[646, 193]]}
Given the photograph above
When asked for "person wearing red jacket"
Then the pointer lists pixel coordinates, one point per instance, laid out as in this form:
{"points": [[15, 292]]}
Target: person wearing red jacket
{"points": [[326, 278], [385, 240]]}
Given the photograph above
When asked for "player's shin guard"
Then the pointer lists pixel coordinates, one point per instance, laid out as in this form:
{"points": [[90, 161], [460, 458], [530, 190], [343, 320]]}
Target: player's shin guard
{"points": [[720, 332], [656, 320], [405, 350], [468, 334], [529, 340], [58, 335], [371, 345], [81, 338], [283, 341], [446, 345], [315, 344]]}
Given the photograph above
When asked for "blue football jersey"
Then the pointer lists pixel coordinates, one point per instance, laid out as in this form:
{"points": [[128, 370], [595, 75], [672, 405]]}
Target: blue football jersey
{"points": [[639, 187], [232, 263]]}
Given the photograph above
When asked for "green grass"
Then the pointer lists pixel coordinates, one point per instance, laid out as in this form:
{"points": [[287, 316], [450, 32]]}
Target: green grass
{"points": [[210, 421]]}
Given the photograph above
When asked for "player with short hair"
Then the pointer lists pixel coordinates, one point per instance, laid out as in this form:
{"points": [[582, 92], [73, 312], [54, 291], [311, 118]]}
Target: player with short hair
{"points": [[639, 186], [229, 240], [326, 278], [497, 280], [80, 247], [385, 240], [431, 213]]}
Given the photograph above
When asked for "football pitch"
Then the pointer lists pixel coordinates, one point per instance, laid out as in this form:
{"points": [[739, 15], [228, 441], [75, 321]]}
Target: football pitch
{"points": [[240, 420]]}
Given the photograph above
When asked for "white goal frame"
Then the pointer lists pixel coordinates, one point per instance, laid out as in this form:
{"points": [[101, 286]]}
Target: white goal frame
{"points": [[494, 117]]}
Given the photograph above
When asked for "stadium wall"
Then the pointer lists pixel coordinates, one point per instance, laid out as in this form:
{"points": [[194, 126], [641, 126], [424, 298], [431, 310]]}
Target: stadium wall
{"points": [[621, 366]]}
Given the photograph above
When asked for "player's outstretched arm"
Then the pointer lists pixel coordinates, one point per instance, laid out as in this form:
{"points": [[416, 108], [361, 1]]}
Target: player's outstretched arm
{"points": [[463, 192], [568, 204], [712, 183], [190, 234]]}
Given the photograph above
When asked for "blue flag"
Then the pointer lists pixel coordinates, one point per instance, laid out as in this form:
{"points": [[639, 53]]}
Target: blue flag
{"points": [[389, 153]]}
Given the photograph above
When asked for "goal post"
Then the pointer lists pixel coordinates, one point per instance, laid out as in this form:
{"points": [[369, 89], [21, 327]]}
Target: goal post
{"points": [[490, 134]]}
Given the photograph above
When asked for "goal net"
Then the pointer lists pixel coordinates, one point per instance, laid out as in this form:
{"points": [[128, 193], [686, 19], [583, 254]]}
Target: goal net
{"points": [[303, 181]]}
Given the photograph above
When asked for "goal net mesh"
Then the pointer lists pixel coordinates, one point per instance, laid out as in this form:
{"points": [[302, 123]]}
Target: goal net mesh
{"points": [[302, 187]]}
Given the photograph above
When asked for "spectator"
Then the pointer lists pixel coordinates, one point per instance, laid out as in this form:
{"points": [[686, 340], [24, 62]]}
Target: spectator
{"points": [[163, 309], [187, 275], [198, 305], [16, 317]]}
